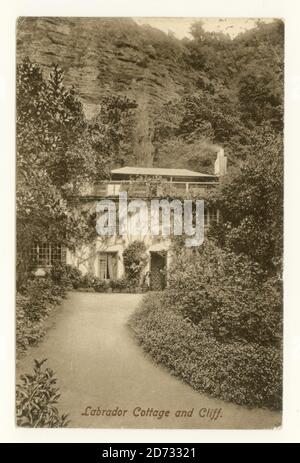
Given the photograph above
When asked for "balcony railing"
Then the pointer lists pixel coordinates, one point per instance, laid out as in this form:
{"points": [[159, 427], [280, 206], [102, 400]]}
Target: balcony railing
{"points": [[140, 190]]}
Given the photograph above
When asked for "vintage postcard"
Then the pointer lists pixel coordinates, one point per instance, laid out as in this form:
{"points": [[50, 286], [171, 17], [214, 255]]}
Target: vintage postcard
{"points": [[149, 194]]}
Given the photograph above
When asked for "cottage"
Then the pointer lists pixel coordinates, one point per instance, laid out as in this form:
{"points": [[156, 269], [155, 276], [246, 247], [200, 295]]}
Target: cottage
{"points": [[104, 257]]}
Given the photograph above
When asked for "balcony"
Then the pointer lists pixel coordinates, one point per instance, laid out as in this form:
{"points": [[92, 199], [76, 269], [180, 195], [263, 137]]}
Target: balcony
{"points": [[138, 189]]}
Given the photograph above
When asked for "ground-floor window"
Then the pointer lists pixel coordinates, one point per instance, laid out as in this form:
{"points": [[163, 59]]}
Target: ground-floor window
{"points": [[108, 265], [47, 254]]}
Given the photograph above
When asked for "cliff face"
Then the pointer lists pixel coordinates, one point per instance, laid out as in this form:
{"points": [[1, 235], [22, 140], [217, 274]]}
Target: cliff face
{"points": [[108, 55], [232, 87]]}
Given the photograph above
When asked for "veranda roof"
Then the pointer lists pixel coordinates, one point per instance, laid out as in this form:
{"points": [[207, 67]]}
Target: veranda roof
{"points": [[158, 171]]}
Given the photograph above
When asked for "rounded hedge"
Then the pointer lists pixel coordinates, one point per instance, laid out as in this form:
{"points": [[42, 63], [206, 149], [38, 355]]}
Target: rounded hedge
{"points": [[244, 373]]}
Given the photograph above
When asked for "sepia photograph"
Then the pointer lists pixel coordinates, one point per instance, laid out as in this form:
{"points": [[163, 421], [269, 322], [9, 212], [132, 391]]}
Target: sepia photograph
{"points": [[149, 222]]}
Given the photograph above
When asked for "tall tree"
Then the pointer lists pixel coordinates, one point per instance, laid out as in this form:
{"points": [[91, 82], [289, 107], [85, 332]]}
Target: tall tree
{"points": [[112, 130], [251, 204], [51, 161]]}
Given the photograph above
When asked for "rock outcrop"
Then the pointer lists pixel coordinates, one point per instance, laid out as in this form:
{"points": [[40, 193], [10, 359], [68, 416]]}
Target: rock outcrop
{"points": [[101, 56]]}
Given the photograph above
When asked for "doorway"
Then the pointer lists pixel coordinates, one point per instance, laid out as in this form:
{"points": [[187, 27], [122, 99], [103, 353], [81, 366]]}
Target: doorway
{"points": [[158, 268], [107, 265]]}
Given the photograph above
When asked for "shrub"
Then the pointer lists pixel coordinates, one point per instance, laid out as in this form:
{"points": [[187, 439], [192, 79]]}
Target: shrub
{"points": [[74, 275], [254, 316], [135, 259], [34, 303], [121, 284], [114, 284], [36, 399], [87, 281], [28, 332], [100, 286], [227, 294], [59, 275], [41, 295], [244, 373]]}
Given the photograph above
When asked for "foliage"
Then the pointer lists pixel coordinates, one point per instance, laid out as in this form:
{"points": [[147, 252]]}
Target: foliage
{"points": [[42, 294], [74, 276], [49, 118], [135, 259], [118, 284], [34, 302], [218, 325], [60, 276], [112, 130], [100, 286], [36, 399], [124, 285], [251, 204], [227, 294], [244, 373], [198, 155], [53, 157], [239, 89], [87, 281], [28, 333]]}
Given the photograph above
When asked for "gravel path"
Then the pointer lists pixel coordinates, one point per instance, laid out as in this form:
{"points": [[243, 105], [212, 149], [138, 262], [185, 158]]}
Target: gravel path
{"points": [[100, 367]]}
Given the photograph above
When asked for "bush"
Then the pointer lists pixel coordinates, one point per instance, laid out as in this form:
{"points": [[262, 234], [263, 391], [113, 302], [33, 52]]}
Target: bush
{"points": [[42, 294], [218, 325], [87, 281], [135, 259], [252, 316], [227, 294], [34, 303], [100, 286], [121, 285], [59, 275], [74, 275], [36, 399], [114, 285], [244, 373], [28, 332]]}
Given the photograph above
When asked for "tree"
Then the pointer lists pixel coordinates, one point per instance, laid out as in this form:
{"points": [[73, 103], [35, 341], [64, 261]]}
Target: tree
{"points": [[251, 204], [261, 95], [49, 120], [112, 130], [53, 157], [207, 118]]}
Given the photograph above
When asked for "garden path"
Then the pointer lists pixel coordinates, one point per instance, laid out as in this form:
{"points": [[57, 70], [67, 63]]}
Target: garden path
{"points": [[99, 364]]}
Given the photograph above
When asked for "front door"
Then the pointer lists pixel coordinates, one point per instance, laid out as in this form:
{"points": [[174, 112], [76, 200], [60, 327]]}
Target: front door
{"points": [[157, 271]]}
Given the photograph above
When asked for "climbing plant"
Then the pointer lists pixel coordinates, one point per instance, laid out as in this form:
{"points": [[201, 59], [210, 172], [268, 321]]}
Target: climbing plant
{"points": [[135, 258]]}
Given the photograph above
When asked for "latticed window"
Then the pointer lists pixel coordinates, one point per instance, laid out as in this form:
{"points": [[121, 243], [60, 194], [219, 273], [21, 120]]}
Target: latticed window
{"points": [[46, 254]]}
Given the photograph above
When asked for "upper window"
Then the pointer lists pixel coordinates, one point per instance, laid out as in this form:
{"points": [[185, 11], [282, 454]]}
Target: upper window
{"points": [[113, 189]]}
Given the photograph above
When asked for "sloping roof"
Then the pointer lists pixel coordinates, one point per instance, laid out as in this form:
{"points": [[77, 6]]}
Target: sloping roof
{"points": [[159, 172]]}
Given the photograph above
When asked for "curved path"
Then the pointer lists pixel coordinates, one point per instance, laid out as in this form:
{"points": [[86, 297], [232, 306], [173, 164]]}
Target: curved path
{"points": [[99, 364]]}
